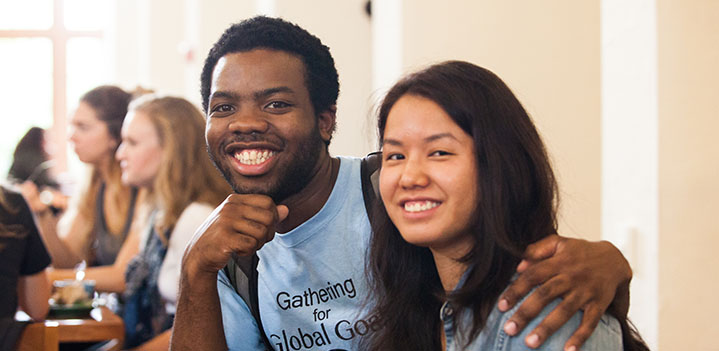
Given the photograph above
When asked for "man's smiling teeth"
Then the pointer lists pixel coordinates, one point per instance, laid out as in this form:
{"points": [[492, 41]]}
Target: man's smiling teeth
{"points": [[254, 157], [419, 206]]}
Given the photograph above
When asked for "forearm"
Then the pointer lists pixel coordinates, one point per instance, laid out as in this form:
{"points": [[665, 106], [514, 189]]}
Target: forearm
{"points": [[33, 293], [107, 278], [198, 320], [62, 255]]}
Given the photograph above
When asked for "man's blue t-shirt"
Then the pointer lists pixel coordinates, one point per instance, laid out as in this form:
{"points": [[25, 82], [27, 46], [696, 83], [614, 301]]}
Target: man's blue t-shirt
{"points": [[311, 283]]}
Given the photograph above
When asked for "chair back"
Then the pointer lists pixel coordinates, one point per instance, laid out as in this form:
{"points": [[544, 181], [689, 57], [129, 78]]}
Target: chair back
{"points": [[39, 336]]}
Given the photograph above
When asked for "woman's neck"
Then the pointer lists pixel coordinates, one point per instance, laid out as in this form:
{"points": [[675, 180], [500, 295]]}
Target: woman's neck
{"points": [[449, 268], [105, 168]]}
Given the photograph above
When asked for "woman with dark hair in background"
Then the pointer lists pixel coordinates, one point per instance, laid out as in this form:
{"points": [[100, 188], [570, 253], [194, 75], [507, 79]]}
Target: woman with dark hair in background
{"points": [[31, 161], [466, 185], [98, 226], [31, 170], [23, 258]]}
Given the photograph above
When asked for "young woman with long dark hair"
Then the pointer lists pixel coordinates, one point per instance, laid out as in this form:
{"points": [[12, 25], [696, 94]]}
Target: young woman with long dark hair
{"points": [[466, 186]]}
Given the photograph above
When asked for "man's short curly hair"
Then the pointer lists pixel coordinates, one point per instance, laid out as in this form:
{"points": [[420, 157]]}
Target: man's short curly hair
{"points": [[277, 34]]}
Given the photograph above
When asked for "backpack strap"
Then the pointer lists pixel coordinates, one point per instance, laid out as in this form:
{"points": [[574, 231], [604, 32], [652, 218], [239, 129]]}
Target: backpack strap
{"points": [[242, 270], [369, 170]]}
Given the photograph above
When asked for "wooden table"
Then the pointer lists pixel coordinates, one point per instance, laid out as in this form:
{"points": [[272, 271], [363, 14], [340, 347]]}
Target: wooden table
{"points": [[102, 324]]}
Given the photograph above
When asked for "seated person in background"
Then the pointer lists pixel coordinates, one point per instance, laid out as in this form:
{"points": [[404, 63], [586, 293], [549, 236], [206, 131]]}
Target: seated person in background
{"points": [[467, 186], [32, 167], [23, 258], [99, 218], [31, 160], [163, 152], [102, 224]]}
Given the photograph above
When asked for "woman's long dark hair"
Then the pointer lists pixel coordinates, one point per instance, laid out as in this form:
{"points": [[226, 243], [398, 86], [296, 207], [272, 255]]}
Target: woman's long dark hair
{"points": [[30, 160], [517, 207]]}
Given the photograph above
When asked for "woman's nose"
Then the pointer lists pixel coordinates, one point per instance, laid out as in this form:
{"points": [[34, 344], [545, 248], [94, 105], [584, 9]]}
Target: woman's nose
{"points": [[413, 175]]}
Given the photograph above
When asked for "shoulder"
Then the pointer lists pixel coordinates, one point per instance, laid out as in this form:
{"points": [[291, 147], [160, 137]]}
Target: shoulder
{"points": [[197, 209], [193, 215], [241, 331], [606, 336], [190, 219]]}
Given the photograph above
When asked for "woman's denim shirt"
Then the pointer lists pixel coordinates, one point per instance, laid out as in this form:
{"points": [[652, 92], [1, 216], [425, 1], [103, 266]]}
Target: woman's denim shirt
{"points": [[607, 335]]}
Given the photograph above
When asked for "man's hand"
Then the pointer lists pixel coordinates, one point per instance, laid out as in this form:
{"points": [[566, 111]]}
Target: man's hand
{"points": [[586, 275], [241, 224]]}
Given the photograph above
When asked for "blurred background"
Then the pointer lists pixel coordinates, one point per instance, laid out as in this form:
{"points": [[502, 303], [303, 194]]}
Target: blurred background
{"points": [[624, 93]]}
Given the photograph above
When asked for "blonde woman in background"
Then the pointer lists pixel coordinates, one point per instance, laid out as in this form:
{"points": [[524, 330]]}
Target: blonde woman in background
{"points": [[163, 152]]}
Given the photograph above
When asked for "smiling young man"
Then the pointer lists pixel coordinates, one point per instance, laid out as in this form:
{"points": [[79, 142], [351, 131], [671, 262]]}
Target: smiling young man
{"points": [[269, 90]]}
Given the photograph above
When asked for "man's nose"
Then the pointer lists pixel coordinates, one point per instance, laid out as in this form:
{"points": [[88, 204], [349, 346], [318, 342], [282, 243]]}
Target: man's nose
{"points": [[248, 121]]}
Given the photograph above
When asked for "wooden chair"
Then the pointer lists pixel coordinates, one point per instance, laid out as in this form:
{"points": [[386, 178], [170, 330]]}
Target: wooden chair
{"points": [[39, 336]]}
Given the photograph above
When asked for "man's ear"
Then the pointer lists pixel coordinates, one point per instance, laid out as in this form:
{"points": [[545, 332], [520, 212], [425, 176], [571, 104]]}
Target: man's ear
{"points": [[327, 122]]}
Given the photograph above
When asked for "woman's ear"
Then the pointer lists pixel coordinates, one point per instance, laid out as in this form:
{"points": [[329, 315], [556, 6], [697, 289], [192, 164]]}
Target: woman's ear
{"points": [[327, 122]]}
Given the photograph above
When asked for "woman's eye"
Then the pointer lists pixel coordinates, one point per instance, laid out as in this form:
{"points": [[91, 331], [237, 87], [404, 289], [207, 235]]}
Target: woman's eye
{"points": [[394, 157], [439, 153]]}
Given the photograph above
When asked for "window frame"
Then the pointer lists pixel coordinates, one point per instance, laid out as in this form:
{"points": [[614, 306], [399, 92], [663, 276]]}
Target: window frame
{"points": [[59, 36]]}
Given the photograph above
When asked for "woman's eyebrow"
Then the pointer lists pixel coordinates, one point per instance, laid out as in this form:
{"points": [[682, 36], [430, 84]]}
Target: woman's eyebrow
{"points": [[431, 138]]}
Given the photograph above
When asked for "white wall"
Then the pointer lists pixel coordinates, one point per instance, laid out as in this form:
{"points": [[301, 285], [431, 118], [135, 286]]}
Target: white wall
{"points": [[629, 149]]}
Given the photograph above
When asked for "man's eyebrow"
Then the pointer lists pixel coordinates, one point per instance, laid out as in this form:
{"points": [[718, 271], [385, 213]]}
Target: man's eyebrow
{"points": [[223, 95], [271, 91], [428, 139], [258, 95]]}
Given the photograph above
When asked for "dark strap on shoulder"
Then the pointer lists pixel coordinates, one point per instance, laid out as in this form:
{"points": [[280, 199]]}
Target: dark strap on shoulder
{"points": [[242, 272], [369, 170]]}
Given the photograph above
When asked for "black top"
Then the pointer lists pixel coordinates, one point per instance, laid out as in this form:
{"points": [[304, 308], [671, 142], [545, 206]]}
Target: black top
{"points": [[22, 251], [106, 245]]}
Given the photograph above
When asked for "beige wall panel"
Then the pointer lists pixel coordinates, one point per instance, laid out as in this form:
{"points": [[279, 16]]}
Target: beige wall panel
{"points": [[688, 61]]}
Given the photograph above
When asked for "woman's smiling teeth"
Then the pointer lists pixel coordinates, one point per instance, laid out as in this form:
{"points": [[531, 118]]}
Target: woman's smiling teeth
{"points": [[419, 206], [254, 156]]}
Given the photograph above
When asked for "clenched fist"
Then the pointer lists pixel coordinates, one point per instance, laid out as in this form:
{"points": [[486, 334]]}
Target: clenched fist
{"points": [[242, 224]]}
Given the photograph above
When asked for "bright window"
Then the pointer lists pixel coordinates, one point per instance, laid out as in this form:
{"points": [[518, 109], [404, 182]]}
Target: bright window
{"points": [[53, 52]]}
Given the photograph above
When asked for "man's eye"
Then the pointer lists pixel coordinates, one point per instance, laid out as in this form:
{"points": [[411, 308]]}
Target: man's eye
{"points": [[277, 105], [222, 108]]}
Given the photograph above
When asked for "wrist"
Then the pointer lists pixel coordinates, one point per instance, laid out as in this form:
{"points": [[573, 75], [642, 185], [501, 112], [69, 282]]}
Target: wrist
{"points": [[194, 274]]}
